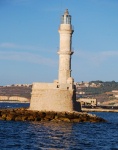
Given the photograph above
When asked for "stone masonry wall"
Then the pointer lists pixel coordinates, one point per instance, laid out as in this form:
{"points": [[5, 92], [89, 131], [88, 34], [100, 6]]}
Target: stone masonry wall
{"points": [[46, 97]]}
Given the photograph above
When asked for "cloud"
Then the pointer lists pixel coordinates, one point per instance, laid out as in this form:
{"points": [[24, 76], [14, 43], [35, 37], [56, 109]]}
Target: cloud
{"points": [[8, 46], [110, 53], [27, 53], [27, 57], [16, 46], [96, 58]]}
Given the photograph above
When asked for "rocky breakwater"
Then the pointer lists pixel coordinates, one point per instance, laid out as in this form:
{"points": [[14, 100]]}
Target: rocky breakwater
{"points": [[23, 114]]}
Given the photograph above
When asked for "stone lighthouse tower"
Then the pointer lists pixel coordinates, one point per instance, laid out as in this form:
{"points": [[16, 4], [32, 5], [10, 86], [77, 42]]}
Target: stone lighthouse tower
{"points": [[59, 96], [65, 51]]}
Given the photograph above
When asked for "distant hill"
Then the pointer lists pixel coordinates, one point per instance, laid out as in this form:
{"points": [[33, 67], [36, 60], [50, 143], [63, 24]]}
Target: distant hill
{"points": [[22, 91], [102, 88]]}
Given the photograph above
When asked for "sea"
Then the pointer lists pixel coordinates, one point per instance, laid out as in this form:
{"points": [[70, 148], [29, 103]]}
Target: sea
{"points": [[58, 135]]}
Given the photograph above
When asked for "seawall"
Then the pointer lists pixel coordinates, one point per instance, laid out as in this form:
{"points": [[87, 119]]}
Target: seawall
{"points": [[14, 98], [98, 110]]}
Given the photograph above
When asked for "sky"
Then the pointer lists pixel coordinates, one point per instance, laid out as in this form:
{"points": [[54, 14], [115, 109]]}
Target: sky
{"points": [[29, 40]]}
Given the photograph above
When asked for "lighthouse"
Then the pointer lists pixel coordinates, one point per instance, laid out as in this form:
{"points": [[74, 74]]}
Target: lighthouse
{"points": [[65, 51], [59, 96]]}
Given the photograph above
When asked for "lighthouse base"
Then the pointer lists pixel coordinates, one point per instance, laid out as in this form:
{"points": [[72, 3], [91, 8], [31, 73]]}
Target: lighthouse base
{"points": [[54, 97]]}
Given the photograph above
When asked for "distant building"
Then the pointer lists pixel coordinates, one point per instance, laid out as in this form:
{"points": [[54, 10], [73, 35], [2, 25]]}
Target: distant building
{"points": [[87, 84], [81, 93], [88, 101], [115, 93]]}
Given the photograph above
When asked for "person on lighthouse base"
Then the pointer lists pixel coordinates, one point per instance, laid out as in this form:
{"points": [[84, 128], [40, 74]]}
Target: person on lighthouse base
{"points": [[59, 96]]}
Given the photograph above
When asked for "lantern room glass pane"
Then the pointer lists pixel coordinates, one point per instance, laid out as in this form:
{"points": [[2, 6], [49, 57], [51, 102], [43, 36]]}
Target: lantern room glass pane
{"points": [[66, 19]]}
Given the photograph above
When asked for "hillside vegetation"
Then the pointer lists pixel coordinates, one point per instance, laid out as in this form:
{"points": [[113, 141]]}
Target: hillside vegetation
{"points": [[104, 87], [102, 91]]}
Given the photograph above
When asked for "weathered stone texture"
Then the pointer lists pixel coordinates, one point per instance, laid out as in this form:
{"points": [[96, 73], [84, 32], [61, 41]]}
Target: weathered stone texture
{"points": [[49, 98]]}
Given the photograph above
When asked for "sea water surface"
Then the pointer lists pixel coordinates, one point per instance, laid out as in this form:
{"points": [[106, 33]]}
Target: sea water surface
{"points": [[53, 136]]}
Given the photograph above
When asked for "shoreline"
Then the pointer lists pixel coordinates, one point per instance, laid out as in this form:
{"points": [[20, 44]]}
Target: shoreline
{"points": [[12, 102], [98, 110]]}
